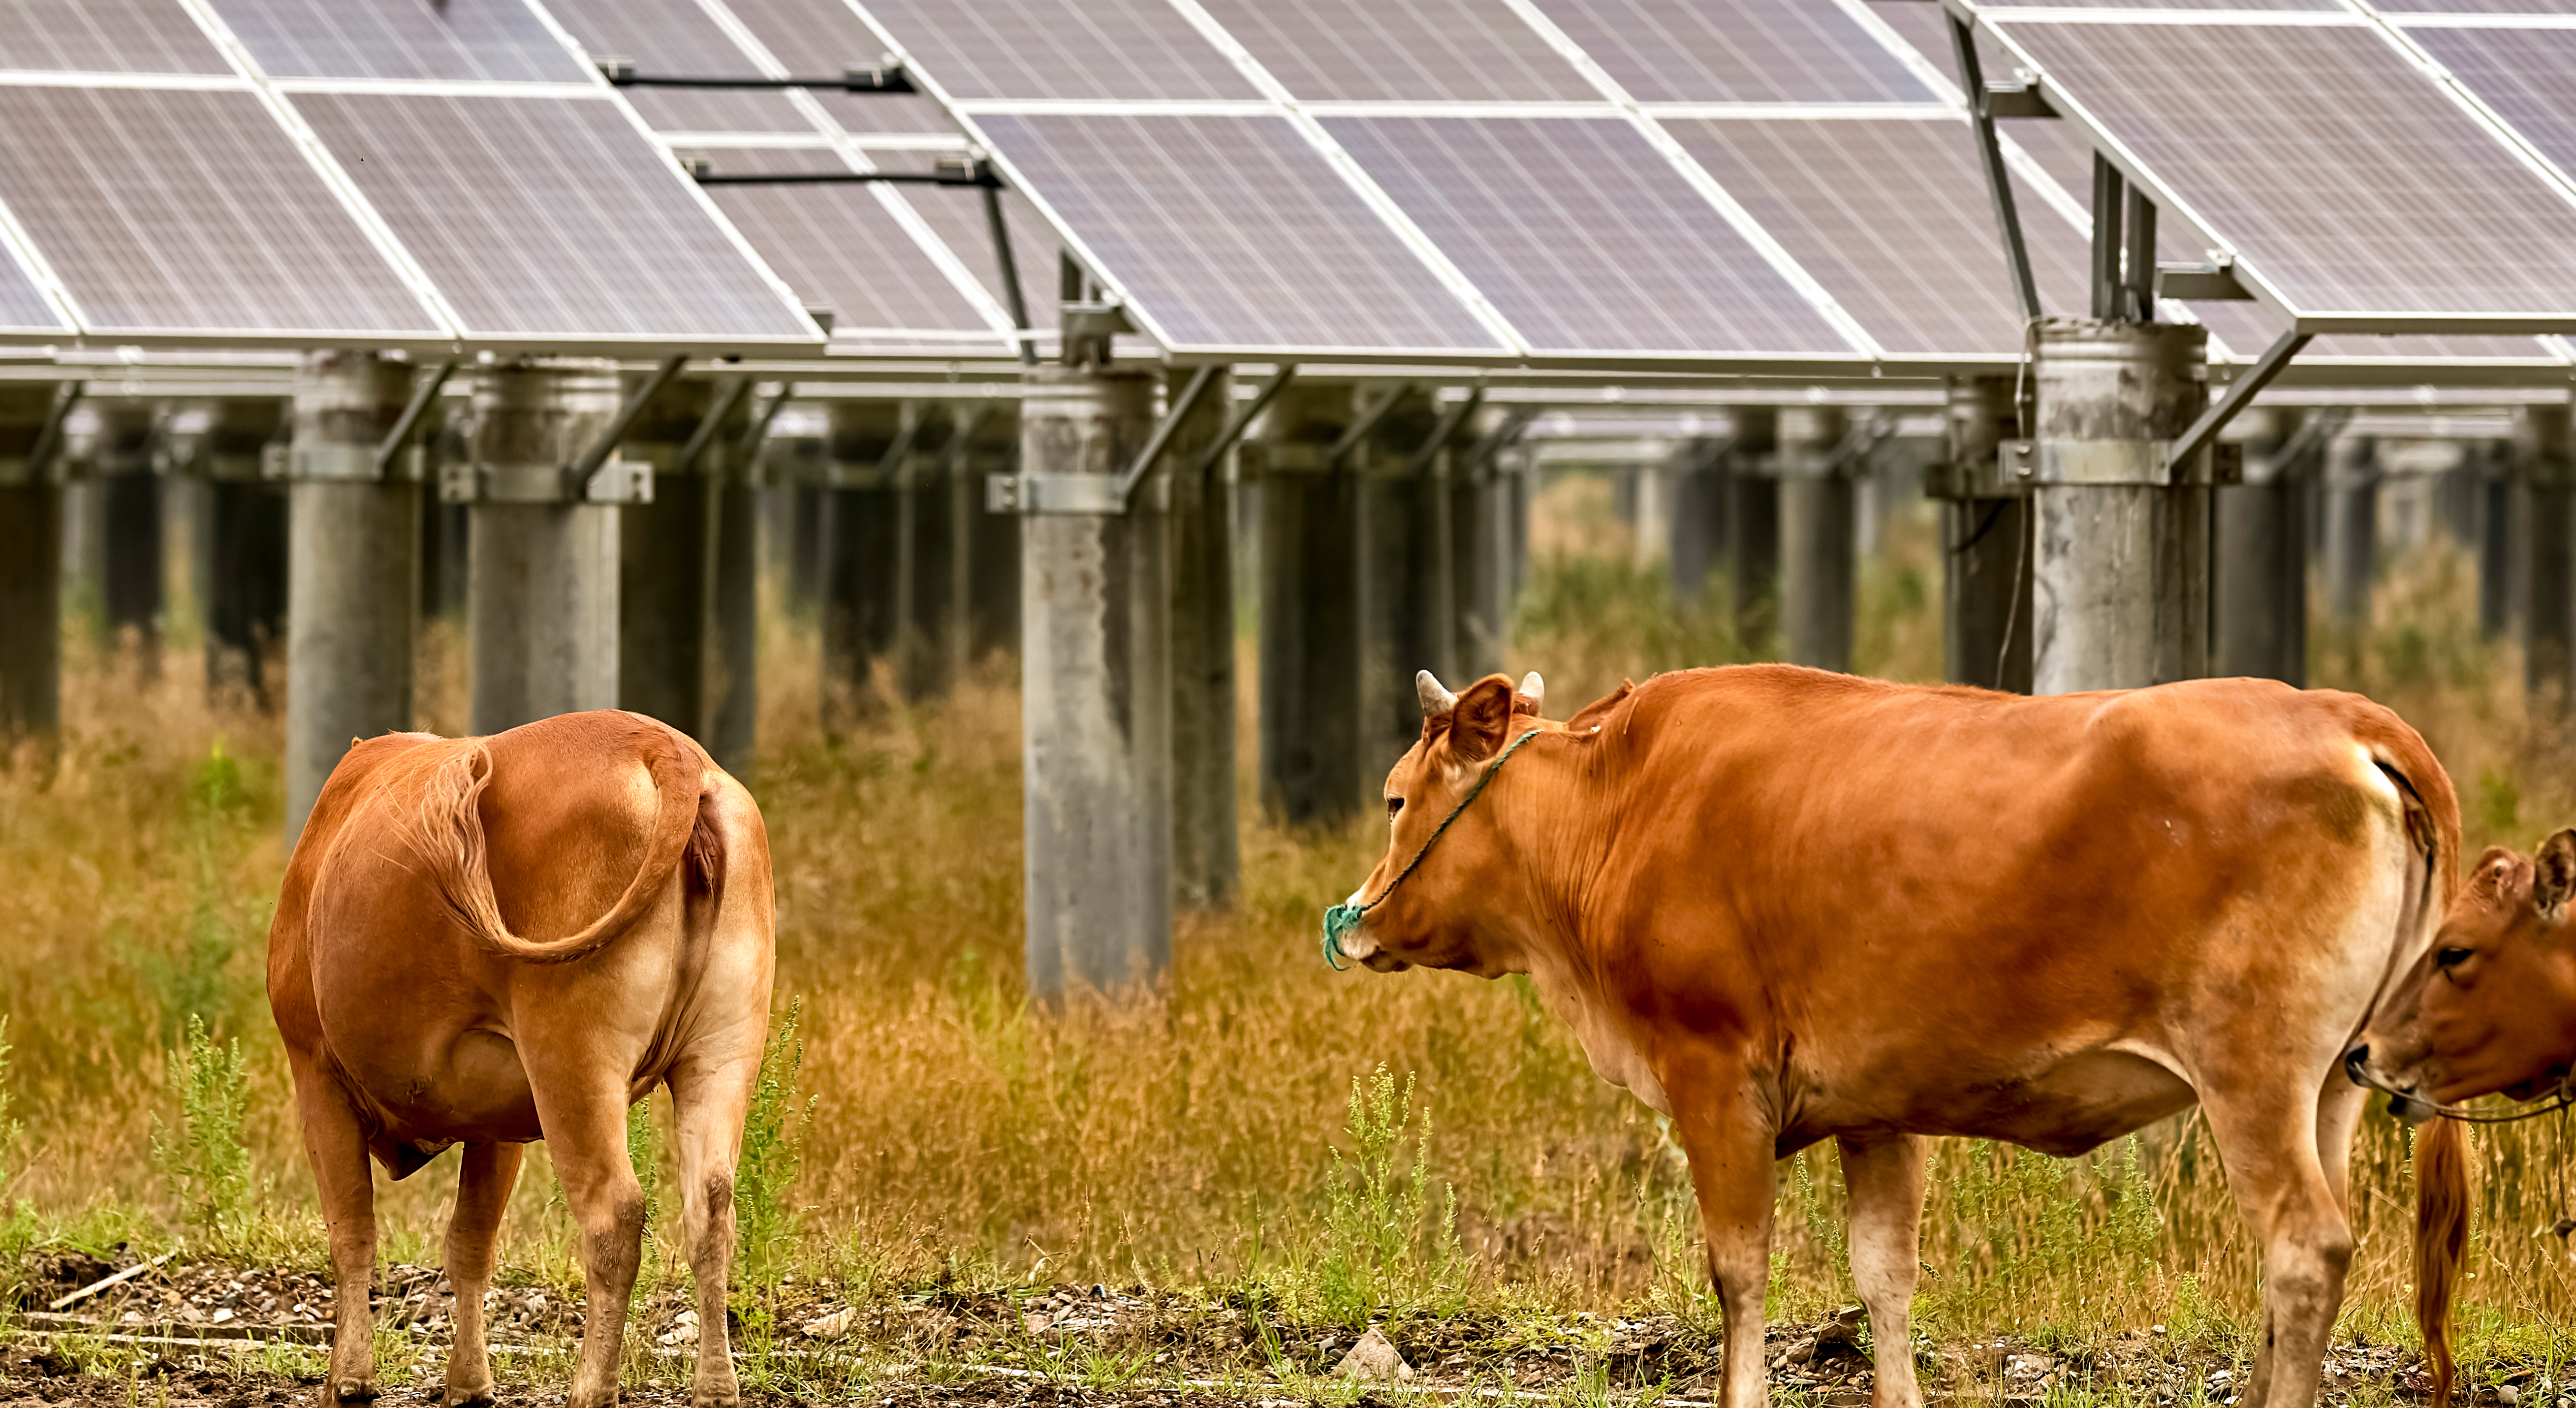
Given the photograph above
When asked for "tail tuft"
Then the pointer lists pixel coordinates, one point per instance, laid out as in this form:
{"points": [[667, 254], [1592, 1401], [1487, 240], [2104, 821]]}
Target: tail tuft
{"points": [[2441, 1239]]}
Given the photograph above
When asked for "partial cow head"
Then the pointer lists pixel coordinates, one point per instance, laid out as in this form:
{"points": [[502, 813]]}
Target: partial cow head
{"points": [[2492, 1006], [1428, 920]]}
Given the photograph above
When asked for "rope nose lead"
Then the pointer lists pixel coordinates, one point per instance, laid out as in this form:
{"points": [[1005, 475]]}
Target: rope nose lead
{"points": [[1342, 918]]}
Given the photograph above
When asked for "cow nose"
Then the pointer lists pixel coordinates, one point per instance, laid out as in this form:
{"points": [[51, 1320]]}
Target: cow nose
{"points": [[2355, 1062]]}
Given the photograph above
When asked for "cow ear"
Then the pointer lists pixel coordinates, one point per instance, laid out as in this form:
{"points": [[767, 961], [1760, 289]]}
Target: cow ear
{"points": [[2553, 872], [1481, 717]]}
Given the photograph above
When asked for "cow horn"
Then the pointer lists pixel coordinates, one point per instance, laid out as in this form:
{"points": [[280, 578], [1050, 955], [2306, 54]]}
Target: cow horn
{"points": [[1534, 687], [1435, 700]]}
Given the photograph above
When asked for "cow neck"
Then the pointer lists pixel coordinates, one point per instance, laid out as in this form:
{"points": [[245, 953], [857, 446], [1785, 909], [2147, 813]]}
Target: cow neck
{"points": [[1342, 918]]}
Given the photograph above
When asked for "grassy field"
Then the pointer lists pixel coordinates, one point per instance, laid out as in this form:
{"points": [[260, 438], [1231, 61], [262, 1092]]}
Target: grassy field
{"points": [[1342, 1145]]}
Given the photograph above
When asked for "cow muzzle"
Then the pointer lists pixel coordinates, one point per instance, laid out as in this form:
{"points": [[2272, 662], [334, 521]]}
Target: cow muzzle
{"points": [[2404, 1105]]}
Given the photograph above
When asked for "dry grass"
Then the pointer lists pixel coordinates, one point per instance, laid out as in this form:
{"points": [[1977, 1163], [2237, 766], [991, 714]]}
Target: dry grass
{"points": [[1187, 1139]]}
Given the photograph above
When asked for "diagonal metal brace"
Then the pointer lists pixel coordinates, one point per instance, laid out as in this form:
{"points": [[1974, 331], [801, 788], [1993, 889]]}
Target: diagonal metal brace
{"points": [[2240, 393], [49, 438], [1514, 422], [1367, 423], [606, 445], [424, 394], [1981, 109], [705, 434], [1179, 411], [1441, 433], [1243, 418], [749, 446]]}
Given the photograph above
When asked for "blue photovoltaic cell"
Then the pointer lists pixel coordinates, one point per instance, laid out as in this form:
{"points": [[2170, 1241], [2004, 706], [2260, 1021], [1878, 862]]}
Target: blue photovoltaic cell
{"points": [[549, 217], [2343, 175], [1427, 50], [2527, 75], [1736, 51], [179, 212], [1079, 49], [840, 247], [105, 36], [1234, 233], [1584, 236], [490, 40], [23, 306]]}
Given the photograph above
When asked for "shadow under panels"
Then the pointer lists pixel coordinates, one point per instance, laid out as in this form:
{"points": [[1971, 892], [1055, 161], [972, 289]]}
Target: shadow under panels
{"points": [[1233, 234], [190, 212], [550, 217], [840, 246], [1586, 238], [2342, 175]]}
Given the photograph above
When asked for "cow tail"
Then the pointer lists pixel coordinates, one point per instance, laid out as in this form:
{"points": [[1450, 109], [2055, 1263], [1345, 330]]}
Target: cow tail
{"points": [[2441, 1237], [447, 832]]}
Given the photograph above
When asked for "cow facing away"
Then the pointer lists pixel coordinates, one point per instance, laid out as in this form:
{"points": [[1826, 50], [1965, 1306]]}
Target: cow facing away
{"points": [[415, 1015], [2490, 1009], [1782, 906]]}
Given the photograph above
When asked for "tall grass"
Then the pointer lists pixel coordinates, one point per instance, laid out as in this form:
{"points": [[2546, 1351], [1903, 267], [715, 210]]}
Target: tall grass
{"points": [[1207, 1138]]}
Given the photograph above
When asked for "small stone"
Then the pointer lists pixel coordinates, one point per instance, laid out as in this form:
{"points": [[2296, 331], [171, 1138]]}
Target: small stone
{"points": [[832, 1326], [1036, 1322], [1374, 1357], [2508, 1395]]}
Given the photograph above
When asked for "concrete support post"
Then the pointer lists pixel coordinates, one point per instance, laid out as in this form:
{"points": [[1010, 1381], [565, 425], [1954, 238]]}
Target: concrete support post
{"points": [[542, 582], [2498, 552], [2120, 553], [860, 550], [667, 553], [925, 577], [991, 564], [2547, 454], [31, 570], [1753, 526], [1206, 854], [241, 546], [1702, 489], [353, 569], [1986, 606], [131, 591], [1482, 499], [2260, 570], [1401, 631], [1095, 696], [1310, 604], [1818, 556], [2352, 528]]}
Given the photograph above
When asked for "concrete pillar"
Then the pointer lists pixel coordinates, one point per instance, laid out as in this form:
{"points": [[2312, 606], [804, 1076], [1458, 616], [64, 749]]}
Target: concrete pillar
{"points": [[860, 551], [1986, 606], [1206, 853], [2119, 561], [31, 570], [1400, 628], [1482, 498], [353, 575], [2352, 528], [2495, 542], [241, 546], [1310, 604], [1818, 564], [1701, 492], [131, 591], [991, 563], [541, 586], [2260, 569], [2547, 460], [666, 558], [925, 575], [1753, 527], [1095, 696]]}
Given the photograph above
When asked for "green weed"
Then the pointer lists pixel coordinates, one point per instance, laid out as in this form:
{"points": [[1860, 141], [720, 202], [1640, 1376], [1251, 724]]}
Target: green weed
{"points": [[204, 1160], [773, 1144]]}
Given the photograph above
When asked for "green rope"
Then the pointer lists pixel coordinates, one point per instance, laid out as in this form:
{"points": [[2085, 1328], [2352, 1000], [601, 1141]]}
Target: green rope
{"points": [[1342, 918]]}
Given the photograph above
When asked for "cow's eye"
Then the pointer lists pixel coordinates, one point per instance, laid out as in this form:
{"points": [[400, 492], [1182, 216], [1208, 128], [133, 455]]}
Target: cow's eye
{"points": [[2450, 958], [1393, 805]]}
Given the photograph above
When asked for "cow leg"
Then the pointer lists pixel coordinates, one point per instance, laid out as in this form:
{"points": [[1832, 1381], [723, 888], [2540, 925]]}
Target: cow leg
{"points": [[1732, 1153], [482, 1195], [1884, 1176], [2270, 1148], [583, 1113], [710, 1093], [336, 1144]]}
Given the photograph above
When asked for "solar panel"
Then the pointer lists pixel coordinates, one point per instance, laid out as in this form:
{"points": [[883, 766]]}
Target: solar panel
{"points": [[1233, 233], [2528, 76], [489, 40], [1061, 49], [677, 38], [549, 218], [957, 217], [2324, 5], [23, 306], [1585, 237], [185, 211], [2480, 7], [105, 36], [1431, 50], [2343, 175], [840, 246], [1736, 51], [1892, 217]]}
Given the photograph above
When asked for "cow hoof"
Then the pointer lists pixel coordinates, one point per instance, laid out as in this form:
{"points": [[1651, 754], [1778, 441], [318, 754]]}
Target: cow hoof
{"points": [[466, 1398], [705, 1398], [348, 1391]]}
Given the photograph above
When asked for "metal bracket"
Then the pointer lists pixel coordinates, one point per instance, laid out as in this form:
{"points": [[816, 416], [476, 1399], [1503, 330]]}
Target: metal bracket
{"points": [[1088, 494], [2240, 393], [686, 462], [424, 394], [887, 77], [587, 467], [1012, 296], [1243, 419], [748, 448], [1087, 329], [1515, 421], [2207, 283], [2017, 100], [49, 436], [1180, 408], [1972, 82], [1367, 424], [1429, 453]]}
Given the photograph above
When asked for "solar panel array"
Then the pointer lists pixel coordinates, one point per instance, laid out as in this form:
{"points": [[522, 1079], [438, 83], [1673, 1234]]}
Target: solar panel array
{"points": [[297, 173]]}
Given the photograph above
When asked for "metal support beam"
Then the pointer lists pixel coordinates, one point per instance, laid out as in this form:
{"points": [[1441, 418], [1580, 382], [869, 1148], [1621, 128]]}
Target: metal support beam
{"points": [[2138, 257], [1441, 433], [1972, 82], [2108, 207], [759, 428], [885, 78], [606, 445], [424, 394], [49, 437], [1179, 411], [1013, 297], [2240, 394], [1243, 418], [686, 462], [1367, 424]]}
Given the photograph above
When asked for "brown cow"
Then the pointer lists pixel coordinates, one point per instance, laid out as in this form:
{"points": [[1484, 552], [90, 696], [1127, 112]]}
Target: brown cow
{"points": [[2491, 1009], [415, 1016], [1782, 905]]}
